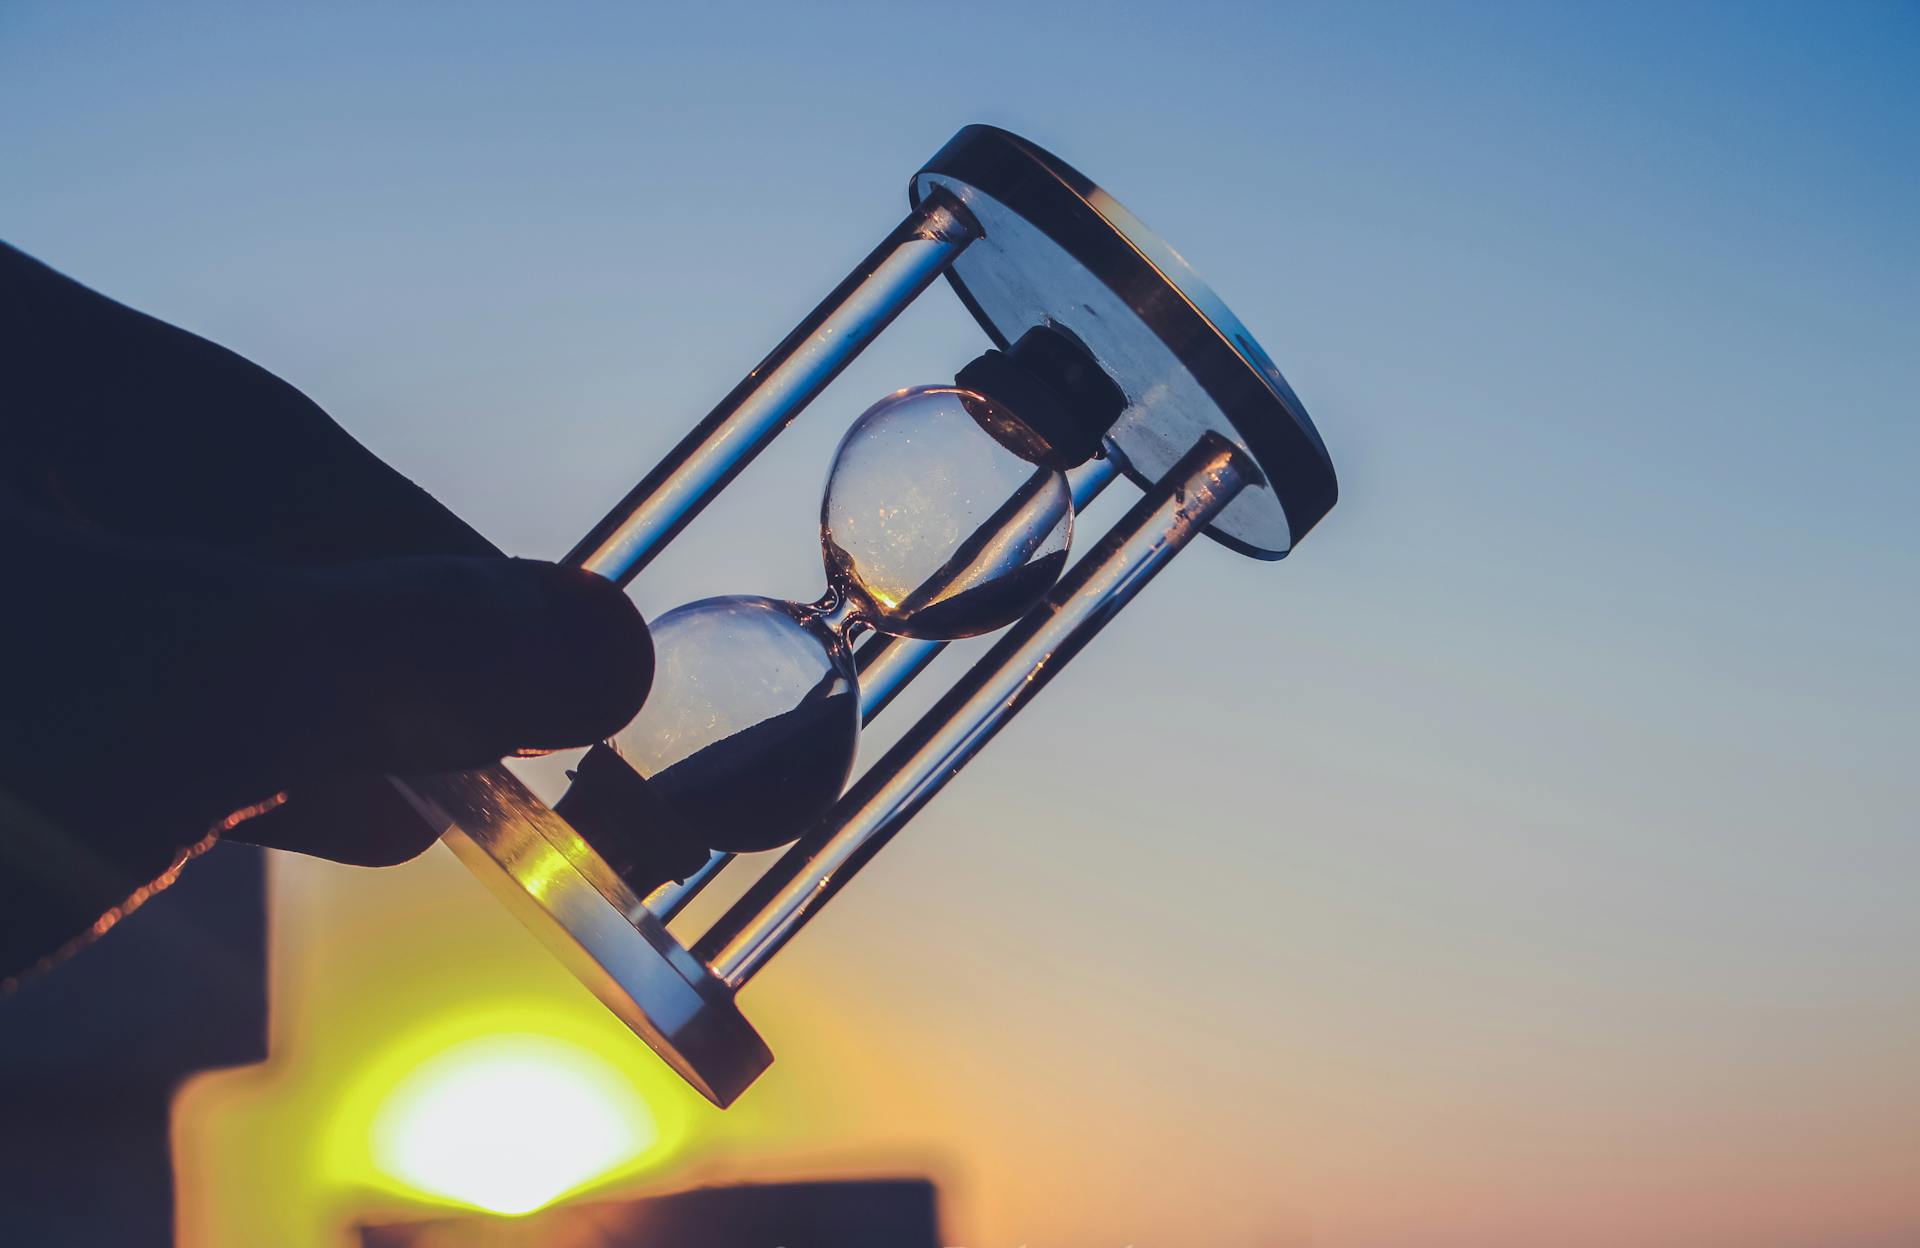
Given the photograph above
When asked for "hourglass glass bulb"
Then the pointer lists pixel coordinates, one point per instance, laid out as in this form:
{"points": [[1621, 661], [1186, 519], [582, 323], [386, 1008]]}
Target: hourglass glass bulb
{"points": [[930, 527], [947, 513]]}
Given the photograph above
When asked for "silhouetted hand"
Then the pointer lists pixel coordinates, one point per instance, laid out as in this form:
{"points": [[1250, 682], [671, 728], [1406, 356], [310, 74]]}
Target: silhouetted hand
{"points": [[213, 596]]}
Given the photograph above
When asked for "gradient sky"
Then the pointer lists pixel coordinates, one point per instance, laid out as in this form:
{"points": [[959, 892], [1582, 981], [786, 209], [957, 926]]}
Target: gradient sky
{"points": [[1530, 858]]}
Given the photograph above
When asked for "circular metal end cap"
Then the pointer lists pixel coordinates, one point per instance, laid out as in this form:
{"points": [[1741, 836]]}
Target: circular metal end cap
{"points": [[1054, 249], [554, 883]]}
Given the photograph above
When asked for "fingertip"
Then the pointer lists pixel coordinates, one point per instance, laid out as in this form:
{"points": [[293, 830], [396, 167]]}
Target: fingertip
{"points": [[360, 820], [606, 654], [439, 663]]}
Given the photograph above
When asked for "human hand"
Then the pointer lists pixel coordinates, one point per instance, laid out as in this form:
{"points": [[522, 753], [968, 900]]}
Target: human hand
{"points": [[215, 596]]}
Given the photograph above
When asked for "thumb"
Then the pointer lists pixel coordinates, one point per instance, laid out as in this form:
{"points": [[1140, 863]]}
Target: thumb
{"points": [[440, 662], [432, 664]]}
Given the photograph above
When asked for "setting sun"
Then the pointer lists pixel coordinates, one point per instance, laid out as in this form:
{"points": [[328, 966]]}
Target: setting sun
{"points": [[508, 1123]]}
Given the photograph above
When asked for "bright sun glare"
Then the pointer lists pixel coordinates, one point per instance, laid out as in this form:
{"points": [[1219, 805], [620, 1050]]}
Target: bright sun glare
{"points": [[509, 1123]]}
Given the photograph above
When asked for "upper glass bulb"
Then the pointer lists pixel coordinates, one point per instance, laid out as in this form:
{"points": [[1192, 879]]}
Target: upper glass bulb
{"points": [[931, 529]]}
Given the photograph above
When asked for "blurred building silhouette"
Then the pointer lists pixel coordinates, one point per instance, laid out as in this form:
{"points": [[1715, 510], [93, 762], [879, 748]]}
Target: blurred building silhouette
{"points": [[93, 1051], [877, 1213]]}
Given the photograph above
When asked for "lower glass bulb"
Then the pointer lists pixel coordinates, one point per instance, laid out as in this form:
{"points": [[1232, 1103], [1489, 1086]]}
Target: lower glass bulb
{"points": [[751, 727]]}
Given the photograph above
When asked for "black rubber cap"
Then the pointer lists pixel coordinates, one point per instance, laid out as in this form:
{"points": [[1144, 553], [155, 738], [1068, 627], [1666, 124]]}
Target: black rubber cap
{"points": [[633, 829], [1056, 388]]}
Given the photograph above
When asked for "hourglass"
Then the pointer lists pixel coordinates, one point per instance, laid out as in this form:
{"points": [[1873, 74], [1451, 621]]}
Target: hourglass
{"points": [[948, 513]]}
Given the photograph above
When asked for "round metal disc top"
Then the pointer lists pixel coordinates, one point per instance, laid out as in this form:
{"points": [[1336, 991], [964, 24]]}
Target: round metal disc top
{"points": [[1056, 249]]}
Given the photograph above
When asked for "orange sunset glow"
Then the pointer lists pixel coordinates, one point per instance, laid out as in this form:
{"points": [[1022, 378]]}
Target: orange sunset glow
{"points": [[1527, 859]]}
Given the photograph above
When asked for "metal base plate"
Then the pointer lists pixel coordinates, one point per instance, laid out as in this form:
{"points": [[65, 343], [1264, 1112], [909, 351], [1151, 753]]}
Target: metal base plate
{"points": [[541, 869], [1054, 248]]}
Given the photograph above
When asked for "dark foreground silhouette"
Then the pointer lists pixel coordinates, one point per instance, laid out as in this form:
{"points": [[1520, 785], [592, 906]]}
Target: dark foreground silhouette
{"points": [[216, 600]]}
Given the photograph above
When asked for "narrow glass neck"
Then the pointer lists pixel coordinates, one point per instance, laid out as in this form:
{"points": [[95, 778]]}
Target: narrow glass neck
{"points": [[839, 615]]}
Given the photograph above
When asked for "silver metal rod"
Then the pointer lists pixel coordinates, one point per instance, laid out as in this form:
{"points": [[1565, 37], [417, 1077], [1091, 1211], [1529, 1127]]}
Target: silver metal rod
{"points": [[886, 665], [1090, 479], [881, 802], [763, 404], [672, 897]]}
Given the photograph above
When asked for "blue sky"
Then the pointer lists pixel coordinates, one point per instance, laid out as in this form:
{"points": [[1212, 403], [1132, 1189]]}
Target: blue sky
{"points": [[1601, 674]]}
